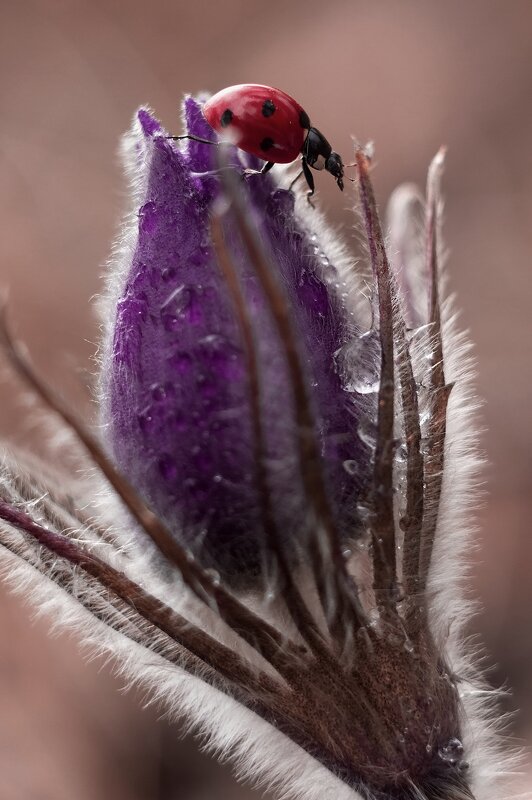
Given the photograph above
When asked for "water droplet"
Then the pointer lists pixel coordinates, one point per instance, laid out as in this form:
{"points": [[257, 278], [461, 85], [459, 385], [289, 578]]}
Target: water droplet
{"points": [[161, 392], [401, 453], [168, 273], [170, 323], [220, 356], [424, 416], [183, 305], [452, 752], [428, 748], [148, 218], [347, 553], [426, 445], [358, 362], [401, 739], [364, 513], [167, 467], [214, 575], [350, 466], [367, 432], [146, 420], [409, 647]]}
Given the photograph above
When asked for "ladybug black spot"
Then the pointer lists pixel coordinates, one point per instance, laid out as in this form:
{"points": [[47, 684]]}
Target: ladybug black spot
{"points": [[304, 119], [266, 143], [226, 118], [268, 107]]}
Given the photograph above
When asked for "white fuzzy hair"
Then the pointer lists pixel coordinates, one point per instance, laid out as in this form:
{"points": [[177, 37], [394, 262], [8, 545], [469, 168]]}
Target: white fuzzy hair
{"points": [[451, 607], [259, 752]]}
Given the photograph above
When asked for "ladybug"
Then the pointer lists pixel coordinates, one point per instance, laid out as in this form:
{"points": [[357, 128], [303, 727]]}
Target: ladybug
{"points": [[271, 125]]}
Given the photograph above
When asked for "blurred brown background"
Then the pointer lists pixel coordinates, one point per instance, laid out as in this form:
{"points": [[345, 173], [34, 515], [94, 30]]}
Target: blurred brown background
{"points": [[410, 75]]}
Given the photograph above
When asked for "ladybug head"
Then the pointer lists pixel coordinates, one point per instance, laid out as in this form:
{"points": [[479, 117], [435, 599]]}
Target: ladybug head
{"points": [[335, 166]]}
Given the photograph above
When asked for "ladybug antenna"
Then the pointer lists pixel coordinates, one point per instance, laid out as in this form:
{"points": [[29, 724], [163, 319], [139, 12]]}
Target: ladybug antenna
{"points": [[347, 166]]}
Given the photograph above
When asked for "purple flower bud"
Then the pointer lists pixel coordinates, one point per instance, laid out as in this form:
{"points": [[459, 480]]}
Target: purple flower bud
{"points": [[176, 393]]}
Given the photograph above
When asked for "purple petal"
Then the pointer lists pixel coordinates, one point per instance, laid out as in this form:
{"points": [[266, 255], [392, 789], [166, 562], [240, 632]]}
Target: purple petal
{"points": [[176, 398]]}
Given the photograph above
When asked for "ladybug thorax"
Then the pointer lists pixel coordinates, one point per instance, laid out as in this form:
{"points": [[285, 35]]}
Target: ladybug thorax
{"points": [[316, 149]]}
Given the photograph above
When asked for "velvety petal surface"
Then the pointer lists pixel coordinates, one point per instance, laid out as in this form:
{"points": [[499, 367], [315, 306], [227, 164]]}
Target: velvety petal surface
{"points": [[176, 403]]}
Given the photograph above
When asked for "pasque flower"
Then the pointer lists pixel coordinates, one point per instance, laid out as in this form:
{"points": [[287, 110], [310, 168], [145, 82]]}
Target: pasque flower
{"points": [[277, 550], [176, 393]]}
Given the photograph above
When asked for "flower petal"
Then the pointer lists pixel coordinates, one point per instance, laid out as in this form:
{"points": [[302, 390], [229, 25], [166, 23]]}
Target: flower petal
{"points": [[176, 400]]}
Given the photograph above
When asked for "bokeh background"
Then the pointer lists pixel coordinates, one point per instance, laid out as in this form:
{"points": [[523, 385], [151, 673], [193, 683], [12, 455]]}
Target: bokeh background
{"points": [[409, 74]]}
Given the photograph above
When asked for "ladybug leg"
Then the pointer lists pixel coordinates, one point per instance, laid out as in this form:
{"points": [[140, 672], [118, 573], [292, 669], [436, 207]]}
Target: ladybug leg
{"points": [[193, 138], [309, 179], [266, 168], [299, 174]]}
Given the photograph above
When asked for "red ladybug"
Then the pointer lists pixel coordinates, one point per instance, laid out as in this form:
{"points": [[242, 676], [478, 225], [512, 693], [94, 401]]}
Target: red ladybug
{"points": [[271, 125]]}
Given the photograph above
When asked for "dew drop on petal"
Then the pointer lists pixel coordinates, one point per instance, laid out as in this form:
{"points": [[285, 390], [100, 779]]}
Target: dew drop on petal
{"points": [[145, 419], [161, 392], [367, 432], [222, 358], [350, 466], [182, 306], [214, 575], [168, 274], [364, 512], [358, 362], [401, 453], [452, 752], [148, 218]]}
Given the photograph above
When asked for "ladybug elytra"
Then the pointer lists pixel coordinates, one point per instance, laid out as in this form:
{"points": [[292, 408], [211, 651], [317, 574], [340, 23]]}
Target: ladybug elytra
{"points": [[271, 125]]}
